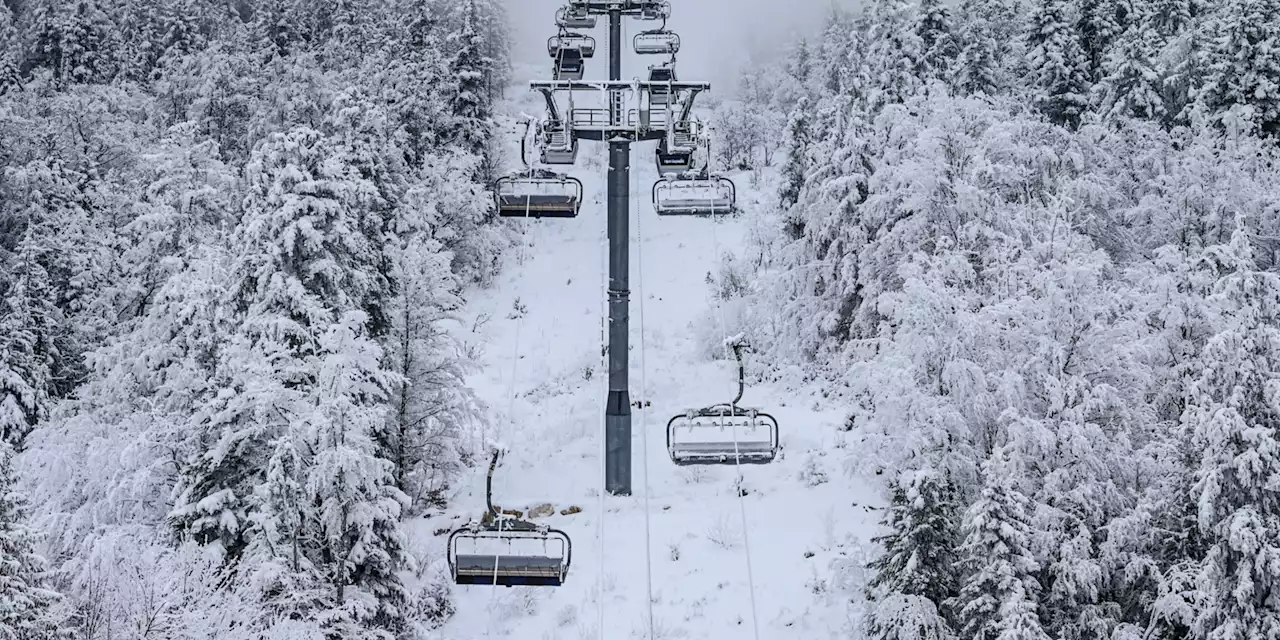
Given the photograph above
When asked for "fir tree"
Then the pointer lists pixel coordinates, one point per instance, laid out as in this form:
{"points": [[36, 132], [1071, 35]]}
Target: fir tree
{"points": [[1099, 23], [1132, 86], [28, 609], [797, 163], [471, 106], [894, 52], [1243, 71], [918, 555], [1234, 409], [1057, 68], [997, 599], [29, 324], [355, 536], [988, 35], [938, 45]]}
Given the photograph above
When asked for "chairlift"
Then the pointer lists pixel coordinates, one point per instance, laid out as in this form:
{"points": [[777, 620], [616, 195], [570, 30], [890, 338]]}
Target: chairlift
{"points": [[694, 195], [724, 433], [569, 65], [487, 558], [661, 96], [570, 17], [656, 42], [672, 161], [538, 193], [656, 11], [568, 40], [559, 145]]}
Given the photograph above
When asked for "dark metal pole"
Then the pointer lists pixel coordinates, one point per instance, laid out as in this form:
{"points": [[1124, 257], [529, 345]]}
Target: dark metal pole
{"points": [[617, 421]]}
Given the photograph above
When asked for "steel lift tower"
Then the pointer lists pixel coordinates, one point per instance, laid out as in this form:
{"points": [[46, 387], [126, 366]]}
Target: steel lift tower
{"points": [[619, 128], [658, 108]]}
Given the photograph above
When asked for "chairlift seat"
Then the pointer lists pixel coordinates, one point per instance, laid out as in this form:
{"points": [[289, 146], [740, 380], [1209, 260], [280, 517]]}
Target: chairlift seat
{"points": [[657, 42], [481, 567], [681, 196], [539, 196], [509, 570], [584, 44]]}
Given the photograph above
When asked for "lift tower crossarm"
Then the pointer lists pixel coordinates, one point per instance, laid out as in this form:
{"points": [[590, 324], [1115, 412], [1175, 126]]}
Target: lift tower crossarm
{"points": [[615, 85], [649, 9]]}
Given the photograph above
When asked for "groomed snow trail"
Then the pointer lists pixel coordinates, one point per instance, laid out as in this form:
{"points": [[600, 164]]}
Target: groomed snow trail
{"points": [[553, 435]]}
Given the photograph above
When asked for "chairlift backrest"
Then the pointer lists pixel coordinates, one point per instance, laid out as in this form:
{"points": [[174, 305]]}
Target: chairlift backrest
{"points": [[662, 74], [572, 18]]}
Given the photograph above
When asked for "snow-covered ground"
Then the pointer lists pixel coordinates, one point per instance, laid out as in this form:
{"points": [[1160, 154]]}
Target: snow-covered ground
{"points": [[544, 379]]}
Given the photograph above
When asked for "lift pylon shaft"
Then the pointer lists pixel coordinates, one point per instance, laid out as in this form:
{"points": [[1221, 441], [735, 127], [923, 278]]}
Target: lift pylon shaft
{"points": [[617, 430]]}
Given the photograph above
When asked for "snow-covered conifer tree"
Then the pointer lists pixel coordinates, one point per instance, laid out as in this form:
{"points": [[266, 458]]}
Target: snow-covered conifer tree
{"points": [[1098, 24], [938, 44], [999, 594], [1234, 409], [918, 566], [1057, 66], [471, 105], [28, 609], [987, 36], [1131, 85], [354, 536], [1242, 69], [894, 52], [796, 165], [29, 324]]}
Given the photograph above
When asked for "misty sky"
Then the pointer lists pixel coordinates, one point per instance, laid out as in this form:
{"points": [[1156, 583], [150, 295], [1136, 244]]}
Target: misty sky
{"points": [[717, 36]]}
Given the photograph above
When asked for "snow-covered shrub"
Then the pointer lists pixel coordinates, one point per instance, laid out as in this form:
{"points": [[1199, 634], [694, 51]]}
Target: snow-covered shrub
{"points": [[432, 603]]}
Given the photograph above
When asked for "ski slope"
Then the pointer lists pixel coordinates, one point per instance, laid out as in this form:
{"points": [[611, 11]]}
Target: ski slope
{"points": [[543, 375]]}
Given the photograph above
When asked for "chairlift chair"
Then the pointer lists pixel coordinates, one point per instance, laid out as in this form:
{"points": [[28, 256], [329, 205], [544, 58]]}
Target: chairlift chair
{"points": [[486, 561], [656, 42], [569, 65], [661, 96], [538, 194], [656, 11], [672, 161], [724, 433], [569, 40], [694, 195], [559, 145], [570, 17]]}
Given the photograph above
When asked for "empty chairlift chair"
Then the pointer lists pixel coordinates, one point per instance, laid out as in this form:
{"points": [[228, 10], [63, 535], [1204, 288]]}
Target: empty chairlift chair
{"points": [[659, 96], [567, 40], [656, 11], [559, 145], [690, 195], [571, 17], [538, 194], [725, 433], [509, 553], [569, 65], [672, 161], [505, 551], [656, 42]]}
